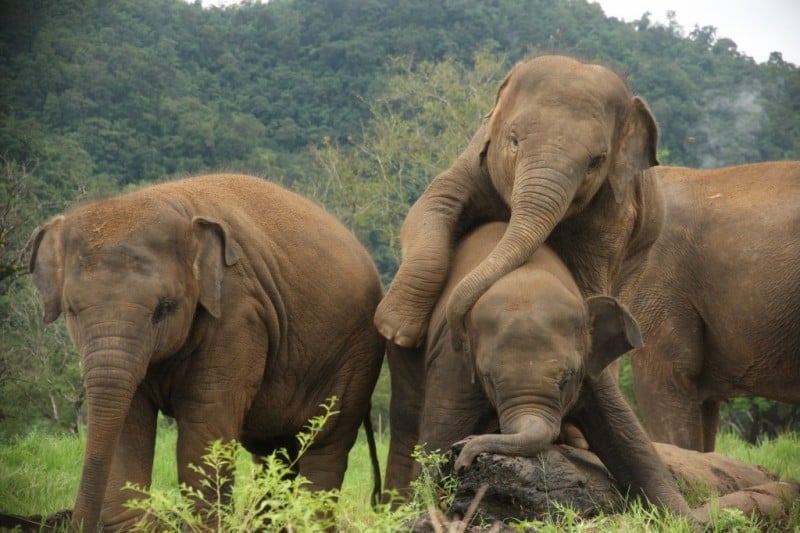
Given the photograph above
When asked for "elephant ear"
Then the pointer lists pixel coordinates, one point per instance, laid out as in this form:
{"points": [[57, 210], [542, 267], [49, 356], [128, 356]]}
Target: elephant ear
{"points": [[493, 116], [614, 332], [47, 266], [636, 150], [214, 253]]}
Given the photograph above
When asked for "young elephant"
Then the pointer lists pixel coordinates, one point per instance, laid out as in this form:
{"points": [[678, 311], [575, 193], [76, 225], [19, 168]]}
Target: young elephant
{"points": [[561, 157], [538, 351], [719, 298], [228, 303]]}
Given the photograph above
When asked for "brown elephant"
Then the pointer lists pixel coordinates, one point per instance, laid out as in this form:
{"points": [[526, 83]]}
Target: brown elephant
{"points": [[718, 299], [539, 350], [562, 154], [224, 301]]}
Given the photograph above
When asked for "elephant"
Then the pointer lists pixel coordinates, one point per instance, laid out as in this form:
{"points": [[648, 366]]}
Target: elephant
{"points": [[224, 301], [560, 157], [539, 351], [718, 298]]}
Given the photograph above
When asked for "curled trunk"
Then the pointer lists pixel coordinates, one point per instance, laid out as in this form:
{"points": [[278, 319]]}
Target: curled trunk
{"points": [[527, 435]]}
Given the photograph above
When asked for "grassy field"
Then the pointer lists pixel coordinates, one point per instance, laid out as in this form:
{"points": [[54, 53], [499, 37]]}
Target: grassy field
{"points": [[39, 475]]}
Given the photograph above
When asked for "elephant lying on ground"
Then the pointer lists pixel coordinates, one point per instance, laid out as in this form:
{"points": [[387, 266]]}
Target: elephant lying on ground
{"points": [[539, 350], [718, 300], [224, 301], [562, 153]]}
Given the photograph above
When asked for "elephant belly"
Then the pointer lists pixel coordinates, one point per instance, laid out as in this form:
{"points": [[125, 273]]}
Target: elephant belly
{"points": [[751, 339], [751, 369]]}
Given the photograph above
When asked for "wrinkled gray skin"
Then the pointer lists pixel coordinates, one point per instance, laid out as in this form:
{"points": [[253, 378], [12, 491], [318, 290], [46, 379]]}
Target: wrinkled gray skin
{"points": [[224, 301], [539, 350], [560, 157], [718, 300]]}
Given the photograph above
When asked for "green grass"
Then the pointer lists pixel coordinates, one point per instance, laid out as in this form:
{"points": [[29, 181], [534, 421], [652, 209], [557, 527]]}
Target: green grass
{"points": [[39, 475], [780, 456]]}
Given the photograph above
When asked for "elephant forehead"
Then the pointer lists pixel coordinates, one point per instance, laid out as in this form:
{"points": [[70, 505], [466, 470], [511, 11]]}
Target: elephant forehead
{"points": [[567, 74], [116, 219]]}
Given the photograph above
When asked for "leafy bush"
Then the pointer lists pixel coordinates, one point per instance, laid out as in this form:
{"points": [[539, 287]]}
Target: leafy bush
{"points": [[272, 497]]}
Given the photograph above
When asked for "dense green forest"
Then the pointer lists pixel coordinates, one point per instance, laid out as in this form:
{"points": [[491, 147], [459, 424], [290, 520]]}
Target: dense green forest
{"points": [[355, 103]]}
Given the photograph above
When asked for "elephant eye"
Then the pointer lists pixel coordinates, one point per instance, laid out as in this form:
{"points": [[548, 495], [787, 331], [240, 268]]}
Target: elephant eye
{"points": [[596, 162], [514, 142], [566, 379], [164, 307]]}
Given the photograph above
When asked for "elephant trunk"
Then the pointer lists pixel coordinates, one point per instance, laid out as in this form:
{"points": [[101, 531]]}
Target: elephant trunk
{"points": [[539, 200], [113, 368], [526, 436]]}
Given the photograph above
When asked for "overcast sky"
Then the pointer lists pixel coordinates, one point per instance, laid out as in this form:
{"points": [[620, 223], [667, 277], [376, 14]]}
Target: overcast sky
{"points": [[758, 27]]}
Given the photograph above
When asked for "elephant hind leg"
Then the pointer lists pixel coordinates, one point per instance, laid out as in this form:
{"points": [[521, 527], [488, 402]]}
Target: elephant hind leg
{"points": [[710, 414]]}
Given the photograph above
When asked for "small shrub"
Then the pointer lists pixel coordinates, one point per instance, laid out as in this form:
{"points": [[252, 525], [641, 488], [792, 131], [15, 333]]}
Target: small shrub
{"points": [[272, 497], [436, 486]]}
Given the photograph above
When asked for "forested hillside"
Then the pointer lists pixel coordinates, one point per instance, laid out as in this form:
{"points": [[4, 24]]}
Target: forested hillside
{"points": [[357, 103]]}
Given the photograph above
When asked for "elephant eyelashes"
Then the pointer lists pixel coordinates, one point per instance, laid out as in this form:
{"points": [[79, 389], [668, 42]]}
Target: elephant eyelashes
{"points": [[596, 162], [164, 307]]}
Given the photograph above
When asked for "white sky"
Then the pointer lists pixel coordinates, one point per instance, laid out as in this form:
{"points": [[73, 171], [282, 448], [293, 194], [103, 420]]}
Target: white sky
{"points": [[758, 27]]}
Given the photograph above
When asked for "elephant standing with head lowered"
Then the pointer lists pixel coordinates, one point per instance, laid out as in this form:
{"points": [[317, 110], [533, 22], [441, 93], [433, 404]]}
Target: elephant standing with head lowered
{"points": [[538, 352], [718, 299], [562, 153], [224, 301]]}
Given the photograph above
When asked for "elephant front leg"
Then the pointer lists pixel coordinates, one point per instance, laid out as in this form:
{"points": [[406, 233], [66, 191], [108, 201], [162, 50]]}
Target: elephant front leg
{"points": [[455, 201], [615, 435], [210, 481], [402, 315], [670, 405], [132, 463]]}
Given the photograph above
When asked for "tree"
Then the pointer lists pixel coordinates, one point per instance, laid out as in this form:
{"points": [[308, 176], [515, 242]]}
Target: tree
{"points": [[419, 124], [15, 205]]}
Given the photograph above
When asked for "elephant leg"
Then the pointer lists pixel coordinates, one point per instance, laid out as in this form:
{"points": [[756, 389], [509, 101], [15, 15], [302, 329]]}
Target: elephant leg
{"points": [[454, 409], [132, 462], [260, 449], [210, 401], [324, 466], [407, 375], [710, 417], [194, 440], [665, 380], [454, 201], [615, 435]]}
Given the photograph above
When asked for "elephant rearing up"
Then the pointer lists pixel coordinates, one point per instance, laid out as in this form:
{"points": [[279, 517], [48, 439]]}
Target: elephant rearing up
{"points": [[228, 303], [562, 154]]}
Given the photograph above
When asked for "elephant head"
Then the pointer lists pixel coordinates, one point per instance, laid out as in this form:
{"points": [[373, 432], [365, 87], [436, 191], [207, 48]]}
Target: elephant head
{"points": [[564, 141], [128, 273], [533, 359]]}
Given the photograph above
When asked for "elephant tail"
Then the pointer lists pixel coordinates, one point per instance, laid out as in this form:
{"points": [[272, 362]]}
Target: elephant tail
{"points": [[373, 456]]}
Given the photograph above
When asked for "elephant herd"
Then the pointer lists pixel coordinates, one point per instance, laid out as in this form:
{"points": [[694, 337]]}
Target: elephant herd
{"points": [[552, 245]]}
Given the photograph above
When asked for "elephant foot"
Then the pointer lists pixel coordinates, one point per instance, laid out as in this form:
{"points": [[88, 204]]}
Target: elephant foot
{"points": [[572, 436], [400, 326]]}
